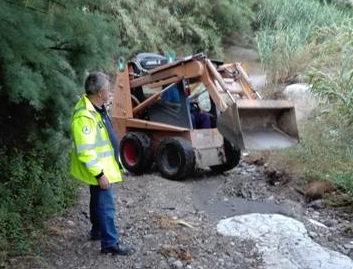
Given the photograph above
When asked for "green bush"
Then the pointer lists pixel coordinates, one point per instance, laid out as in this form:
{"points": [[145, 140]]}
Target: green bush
{"points": [[188, 26], [36, 186], [41, 79]]}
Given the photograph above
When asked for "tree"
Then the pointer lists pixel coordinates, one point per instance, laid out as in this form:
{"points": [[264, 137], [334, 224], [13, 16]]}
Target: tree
{"points": [[44, 54], [46, 48]]}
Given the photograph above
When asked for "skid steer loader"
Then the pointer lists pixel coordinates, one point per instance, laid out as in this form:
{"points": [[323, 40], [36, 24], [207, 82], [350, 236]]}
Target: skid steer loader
{"points": [[150, 131]]}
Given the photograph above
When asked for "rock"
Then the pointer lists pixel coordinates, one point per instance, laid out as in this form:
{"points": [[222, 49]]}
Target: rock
{"points": [[70, 223], [315, 204], [313, 235], [348, 246], [317, 223], [177, 264], [304, 101], [284, 242], [148, 239], [138, 265]]}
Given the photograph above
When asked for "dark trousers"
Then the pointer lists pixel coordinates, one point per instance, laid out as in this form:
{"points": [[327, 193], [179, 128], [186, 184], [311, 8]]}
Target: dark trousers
{"points": [[200, 120]]}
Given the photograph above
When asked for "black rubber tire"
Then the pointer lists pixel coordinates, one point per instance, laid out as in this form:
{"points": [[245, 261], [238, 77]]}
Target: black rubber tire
{"points": [[233, 155], [135, 152], [175, 158]]}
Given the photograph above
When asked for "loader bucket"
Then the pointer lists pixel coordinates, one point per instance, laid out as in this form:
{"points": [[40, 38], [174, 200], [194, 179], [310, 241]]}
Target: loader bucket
{"points": [[259, 124]]}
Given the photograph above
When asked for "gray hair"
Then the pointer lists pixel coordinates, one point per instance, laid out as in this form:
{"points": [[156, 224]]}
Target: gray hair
{"points": [[95, 81]]}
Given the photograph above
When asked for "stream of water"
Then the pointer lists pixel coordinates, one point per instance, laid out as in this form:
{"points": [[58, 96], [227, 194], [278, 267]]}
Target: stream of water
{"points": [[250, 62]]}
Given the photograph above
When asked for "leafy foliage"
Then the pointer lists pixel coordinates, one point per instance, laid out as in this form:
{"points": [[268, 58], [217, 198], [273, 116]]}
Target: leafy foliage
{"points": [[186, 26], [46, 48], [334, 81], [35, 187]]}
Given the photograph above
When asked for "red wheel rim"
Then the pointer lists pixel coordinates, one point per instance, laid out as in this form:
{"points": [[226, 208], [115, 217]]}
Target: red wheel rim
{"points": [[129, 152]]}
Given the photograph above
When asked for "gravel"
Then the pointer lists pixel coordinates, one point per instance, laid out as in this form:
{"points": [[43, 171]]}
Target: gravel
{"points": [[172, 224]]}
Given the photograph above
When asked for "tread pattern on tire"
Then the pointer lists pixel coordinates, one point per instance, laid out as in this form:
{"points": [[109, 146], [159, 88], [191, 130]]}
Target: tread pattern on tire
{"points": [[175, 158], [142, 150]]}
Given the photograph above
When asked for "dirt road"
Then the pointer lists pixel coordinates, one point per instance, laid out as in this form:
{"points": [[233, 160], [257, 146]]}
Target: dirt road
{"points": [[173, 224]]}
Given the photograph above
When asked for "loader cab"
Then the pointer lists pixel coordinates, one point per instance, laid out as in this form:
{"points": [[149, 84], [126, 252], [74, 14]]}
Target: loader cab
{"points": [[200, 94], [176, 107], [139, 66], [175, 112]]}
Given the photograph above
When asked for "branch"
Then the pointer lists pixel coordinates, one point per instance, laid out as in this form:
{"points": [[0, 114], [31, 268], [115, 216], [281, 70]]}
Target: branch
{"points": [[24, 7], [61, 48]]}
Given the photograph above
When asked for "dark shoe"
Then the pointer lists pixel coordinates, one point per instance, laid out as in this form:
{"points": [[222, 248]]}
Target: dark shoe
{"points": [[119, 249]]}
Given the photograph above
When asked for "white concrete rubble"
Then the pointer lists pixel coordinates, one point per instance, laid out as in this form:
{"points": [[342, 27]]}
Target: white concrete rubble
{"points": [[283, 241], [304, 101]]}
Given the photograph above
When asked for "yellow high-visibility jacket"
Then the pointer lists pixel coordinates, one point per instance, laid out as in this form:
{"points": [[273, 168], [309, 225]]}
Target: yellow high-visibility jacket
{"points": [[92, 151]]}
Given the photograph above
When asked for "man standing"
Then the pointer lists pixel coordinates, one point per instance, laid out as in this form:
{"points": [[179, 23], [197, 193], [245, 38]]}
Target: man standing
{"points": [[94, 160]]}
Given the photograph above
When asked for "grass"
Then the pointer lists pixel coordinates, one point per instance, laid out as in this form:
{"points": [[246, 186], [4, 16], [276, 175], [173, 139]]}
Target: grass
{"points": [[324, 153], [289, 41], [305, 41]]}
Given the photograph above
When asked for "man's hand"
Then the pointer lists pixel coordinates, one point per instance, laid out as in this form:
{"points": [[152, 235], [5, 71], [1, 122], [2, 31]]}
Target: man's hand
{"points": [[103, 182]]}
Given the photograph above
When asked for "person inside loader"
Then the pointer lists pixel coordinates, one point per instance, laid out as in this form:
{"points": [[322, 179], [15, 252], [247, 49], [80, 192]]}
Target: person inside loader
{"points": [[171, 97], [200, 120]]}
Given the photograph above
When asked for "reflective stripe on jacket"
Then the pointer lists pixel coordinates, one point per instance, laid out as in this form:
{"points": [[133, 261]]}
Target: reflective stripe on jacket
{"points": [[92, 151]]}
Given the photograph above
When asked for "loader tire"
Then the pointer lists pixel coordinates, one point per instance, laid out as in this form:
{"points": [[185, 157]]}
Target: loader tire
{"points": [[232, 155], [135, 152], [175, 158]]}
